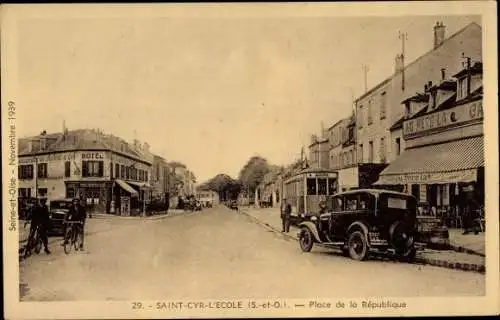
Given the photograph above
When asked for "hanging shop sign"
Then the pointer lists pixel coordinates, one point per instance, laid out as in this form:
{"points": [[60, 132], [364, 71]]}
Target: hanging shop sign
{"points": [[430, 178], [458, 116]]}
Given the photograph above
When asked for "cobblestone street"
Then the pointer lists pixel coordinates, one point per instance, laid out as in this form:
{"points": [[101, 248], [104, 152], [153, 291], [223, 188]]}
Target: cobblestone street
{"points": [[218, 253]]}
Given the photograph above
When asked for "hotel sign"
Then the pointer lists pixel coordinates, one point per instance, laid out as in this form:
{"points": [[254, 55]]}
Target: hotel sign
{"points": [[430, 177], [434, 122]]}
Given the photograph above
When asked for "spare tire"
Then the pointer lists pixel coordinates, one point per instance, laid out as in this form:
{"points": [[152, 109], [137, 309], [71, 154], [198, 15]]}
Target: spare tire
{"points": [[402, 240]]}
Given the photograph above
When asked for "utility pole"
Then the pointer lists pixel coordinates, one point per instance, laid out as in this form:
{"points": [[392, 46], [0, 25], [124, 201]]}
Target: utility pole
{"points": [[365, 73], [403, 36]]}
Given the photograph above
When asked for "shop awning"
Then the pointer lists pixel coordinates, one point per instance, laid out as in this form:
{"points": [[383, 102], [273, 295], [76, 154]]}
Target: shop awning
{"points": [[450, 162], [125, 186], [140, 184]]}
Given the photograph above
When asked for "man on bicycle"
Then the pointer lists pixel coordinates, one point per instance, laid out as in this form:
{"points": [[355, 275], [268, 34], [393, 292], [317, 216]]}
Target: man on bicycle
{"points": [[76, 214], [40, 219]]}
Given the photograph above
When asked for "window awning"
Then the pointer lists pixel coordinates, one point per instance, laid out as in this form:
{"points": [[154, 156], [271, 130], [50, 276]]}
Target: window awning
{"points": [[140, 184], [450, 162], [125, 186]]}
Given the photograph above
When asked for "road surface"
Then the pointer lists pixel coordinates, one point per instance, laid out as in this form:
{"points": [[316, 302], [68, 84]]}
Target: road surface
{"points": [[216, 254]]}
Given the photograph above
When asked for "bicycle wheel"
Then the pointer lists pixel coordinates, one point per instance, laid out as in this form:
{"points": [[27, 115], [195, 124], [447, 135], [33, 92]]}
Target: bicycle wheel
{"points": [[76, 239], [38, 243], [68, 241]]}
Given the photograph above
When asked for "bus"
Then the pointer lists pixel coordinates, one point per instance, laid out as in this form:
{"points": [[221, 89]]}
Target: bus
{"points": [[304, 191]]}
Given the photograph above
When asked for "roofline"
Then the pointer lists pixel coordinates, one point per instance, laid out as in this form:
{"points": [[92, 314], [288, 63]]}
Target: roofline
{"points": [[33, 154], [338, 122], [373, 191], [414, 61]]}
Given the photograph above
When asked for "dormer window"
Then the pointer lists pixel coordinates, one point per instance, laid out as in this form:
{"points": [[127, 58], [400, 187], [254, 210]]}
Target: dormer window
{"points": [[462, 88]]}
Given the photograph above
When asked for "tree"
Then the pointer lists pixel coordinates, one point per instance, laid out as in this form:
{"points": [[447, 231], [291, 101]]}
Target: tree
{"points": [[224, 185], [253, 172]]}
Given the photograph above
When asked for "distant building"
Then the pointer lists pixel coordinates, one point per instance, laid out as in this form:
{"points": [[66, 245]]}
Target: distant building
{"points": [[160, 179], [208, 197], [106, 172], [319, 152]]}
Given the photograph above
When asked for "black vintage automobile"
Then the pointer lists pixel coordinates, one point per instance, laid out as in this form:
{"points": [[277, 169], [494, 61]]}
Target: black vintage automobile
{"points": [[362, 221], [58, 209]]}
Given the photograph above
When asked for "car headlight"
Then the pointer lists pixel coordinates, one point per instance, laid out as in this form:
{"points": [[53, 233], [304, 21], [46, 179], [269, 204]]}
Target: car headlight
{"points": [[314, 218]]}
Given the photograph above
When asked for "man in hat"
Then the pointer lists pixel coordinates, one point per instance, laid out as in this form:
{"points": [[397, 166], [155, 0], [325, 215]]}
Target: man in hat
{"points": [[40, 219], [286, 211], [77, 213]]}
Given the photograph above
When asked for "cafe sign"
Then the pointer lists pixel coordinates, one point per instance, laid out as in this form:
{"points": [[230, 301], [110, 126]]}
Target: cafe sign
{"points": [[458, 116], [430, 177]]}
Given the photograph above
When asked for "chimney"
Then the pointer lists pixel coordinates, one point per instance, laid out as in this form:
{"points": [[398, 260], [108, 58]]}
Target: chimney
{"points": [[426, 88], [439, 34], [429, 85], [443, 74], [145, 146], [398, 63], [43, 140]]}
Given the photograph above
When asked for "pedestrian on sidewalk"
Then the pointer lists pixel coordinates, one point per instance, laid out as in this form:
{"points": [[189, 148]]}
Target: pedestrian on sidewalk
{"points": [[286, 211]]}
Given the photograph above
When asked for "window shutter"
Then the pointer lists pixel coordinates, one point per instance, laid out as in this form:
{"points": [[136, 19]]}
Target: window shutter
{"points": [[111, 170], [84, 169], [101, 169]]}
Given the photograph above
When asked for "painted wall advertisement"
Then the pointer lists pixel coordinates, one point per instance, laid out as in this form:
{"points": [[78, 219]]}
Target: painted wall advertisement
{"points": [[471, 112], [431, 177]]}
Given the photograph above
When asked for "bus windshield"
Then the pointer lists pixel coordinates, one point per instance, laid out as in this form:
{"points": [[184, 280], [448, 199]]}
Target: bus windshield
{"points": [[322, 183], [311, 186]]}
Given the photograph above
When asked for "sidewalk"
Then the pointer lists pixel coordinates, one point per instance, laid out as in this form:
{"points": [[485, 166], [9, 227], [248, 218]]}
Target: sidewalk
{"points": [[453, 259]]}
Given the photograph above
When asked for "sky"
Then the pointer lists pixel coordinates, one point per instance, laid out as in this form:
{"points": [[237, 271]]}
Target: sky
{"points": [[208, 92]]}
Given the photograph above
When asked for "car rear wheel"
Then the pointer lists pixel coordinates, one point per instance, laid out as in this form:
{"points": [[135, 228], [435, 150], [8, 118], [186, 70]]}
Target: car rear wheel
{"points": [[358, 246], [306, 239]]}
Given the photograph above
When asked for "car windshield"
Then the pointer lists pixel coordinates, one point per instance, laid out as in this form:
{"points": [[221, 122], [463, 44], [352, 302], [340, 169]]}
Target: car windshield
{"points": [[60, 205]]}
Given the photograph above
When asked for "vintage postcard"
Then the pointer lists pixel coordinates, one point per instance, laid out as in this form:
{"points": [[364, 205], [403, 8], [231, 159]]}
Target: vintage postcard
{"points": [[250, 160]]}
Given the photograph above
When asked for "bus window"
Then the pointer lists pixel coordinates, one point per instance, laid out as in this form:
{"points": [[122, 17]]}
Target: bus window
{"points": [[311, 186], [332, 186], [322, 187]]}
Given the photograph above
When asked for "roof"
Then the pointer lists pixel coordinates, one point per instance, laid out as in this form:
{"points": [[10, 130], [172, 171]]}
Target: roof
{"points": [[348, 119], [80, 139], [475, 69], [374, 192], [418, 97], [415, 61]]}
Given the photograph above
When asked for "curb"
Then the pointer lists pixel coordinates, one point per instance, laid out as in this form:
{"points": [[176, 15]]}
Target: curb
{"points": [[465, 250], [432, 262]]}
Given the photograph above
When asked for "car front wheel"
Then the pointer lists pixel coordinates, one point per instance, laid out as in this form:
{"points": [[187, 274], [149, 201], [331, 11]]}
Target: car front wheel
{"points": [[306, 239], [358, 246]]}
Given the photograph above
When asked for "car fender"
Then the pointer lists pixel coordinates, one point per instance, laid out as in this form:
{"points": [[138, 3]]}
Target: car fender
{"points": [[312, 227], [360, 225]]}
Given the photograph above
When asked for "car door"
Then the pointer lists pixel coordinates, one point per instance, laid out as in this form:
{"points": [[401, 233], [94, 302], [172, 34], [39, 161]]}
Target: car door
{"points": [[336, 223]]}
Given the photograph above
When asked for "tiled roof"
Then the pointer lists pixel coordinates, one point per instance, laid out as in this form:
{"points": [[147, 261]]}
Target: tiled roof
{"points": [[414, 61], [80, 139]]}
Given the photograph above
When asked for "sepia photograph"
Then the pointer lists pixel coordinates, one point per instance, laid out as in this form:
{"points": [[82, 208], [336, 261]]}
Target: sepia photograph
{"points": [[250, 160]]}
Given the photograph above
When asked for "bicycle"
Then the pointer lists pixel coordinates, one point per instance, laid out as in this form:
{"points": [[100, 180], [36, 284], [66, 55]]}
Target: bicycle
{"points": [[73, 238], [34, 242]]}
